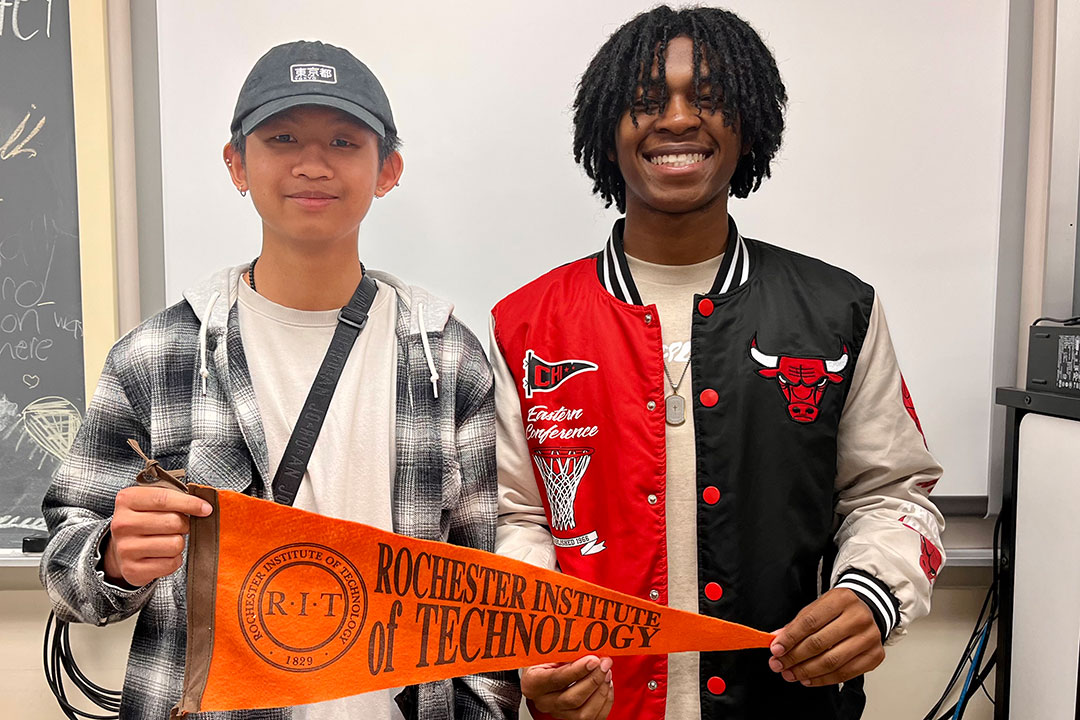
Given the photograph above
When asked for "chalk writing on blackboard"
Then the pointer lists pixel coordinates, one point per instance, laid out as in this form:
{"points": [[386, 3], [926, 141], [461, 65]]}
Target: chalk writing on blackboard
{"points": [[20, 26], [42, 393], [21, 298], [40, 434], [14, 146]]}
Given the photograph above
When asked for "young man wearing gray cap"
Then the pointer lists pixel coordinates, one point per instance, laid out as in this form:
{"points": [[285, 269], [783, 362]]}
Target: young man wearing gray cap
{"points": [[216, 383]]}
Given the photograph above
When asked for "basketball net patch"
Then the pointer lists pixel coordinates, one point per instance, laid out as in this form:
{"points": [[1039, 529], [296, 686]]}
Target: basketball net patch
{"points": [[562, 469]]}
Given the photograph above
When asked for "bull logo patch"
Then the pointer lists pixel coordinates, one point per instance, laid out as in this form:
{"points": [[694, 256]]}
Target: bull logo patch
{"points": [[544, 376], [802, 380], [930, 559], [929, 555], [909, 405]]}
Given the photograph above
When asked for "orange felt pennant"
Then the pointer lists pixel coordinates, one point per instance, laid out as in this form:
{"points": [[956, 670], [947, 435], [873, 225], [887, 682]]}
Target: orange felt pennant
{"points": [[286, 607]]}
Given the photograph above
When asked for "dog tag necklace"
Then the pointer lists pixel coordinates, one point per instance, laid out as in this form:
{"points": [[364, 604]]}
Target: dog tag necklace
{"points": [[674, 404]]}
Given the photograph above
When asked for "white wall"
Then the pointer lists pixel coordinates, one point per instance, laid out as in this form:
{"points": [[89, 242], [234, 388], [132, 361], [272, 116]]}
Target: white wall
{"points": [[892, 165]]}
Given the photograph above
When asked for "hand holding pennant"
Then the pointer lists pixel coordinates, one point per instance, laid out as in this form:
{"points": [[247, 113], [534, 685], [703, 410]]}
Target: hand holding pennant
{"points": [[306, 608]]}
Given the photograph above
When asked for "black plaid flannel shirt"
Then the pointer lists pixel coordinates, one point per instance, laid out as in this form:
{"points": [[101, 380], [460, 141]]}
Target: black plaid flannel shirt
{"points": [[151, 390]]}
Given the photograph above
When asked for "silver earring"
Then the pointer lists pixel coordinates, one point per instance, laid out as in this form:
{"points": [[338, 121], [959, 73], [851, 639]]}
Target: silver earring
{"points": [[243, 193]]}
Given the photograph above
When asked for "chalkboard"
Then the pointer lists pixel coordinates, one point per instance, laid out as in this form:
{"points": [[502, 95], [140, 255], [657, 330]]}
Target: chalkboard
{"points": [[41, 346]]}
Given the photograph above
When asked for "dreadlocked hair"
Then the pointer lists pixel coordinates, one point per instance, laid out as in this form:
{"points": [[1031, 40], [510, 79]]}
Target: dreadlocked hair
{"points": [[741, 71]]}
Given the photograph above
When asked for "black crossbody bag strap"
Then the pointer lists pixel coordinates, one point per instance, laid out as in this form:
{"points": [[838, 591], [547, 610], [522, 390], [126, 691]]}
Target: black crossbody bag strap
{"points": [[294, 462]]}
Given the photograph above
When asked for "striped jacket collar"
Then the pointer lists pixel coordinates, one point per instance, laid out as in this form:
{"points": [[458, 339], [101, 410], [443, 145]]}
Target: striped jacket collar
{"points": [[614, 273]]}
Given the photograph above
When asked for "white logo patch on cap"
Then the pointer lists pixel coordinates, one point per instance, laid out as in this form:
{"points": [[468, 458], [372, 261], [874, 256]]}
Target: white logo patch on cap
{"points": [[314, 73]]}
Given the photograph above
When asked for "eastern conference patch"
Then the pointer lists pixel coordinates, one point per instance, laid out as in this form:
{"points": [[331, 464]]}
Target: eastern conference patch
{"points": [[307, 608]]}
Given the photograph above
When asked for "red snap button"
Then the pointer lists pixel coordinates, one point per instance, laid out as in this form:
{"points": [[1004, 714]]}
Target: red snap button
{"points": [[709, 397], [716, 685], [713, 591], [711, 495], [705, 307]]}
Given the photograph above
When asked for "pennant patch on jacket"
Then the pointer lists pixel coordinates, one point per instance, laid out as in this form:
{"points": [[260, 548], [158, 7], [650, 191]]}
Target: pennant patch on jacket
{"points": [[544, 376]]}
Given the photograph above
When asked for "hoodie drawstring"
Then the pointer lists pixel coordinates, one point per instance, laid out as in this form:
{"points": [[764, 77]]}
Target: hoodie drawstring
{"points": [[203, 372], [427, 350]]}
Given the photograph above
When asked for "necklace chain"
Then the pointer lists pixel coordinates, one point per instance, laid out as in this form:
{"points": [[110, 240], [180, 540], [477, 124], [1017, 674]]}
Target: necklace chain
{"points": [[675, 385], [251, 276]]}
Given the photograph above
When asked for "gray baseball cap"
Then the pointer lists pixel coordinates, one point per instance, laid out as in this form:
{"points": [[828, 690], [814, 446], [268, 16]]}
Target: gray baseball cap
{"points": [[312, 73]]}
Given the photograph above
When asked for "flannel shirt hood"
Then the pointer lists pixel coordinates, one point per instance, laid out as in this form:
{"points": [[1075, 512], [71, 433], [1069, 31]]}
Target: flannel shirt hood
{"points": [[212, 298], [435, 311], [179, 385]]}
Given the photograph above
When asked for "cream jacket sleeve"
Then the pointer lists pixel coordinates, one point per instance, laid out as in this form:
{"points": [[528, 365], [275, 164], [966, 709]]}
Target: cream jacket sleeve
{"points": [[522, 532], [889, 534]]}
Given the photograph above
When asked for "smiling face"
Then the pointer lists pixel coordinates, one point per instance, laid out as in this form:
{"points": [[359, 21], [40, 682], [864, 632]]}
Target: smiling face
{"points": [[677, 159], [312, 173]]}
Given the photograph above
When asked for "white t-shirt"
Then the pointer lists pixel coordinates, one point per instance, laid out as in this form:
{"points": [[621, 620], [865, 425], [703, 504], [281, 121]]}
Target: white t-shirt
{"points": [[351, 472], [671, 288]]}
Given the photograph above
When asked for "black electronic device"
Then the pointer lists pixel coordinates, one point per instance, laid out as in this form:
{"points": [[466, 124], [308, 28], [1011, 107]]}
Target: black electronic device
{"points": [[1054, 356], [35, 543]]}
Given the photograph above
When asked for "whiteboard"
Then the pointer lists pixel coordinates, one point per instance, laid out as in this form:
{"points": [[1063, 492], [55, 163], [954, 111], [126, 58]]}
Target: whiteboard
{"points": [[891, 166]]}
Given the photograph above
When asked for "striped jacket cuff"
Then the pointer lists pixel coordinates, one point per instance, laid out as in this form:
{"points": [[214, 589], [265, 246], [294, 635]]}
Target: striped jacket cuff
{"points": [[877, 596]]}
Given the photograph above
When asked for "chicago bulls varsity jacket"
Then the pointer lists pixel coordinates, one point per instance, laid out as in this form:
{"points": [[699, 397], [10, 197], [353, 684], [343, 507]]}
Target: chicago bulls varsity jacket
{"points": [[812, 471]]}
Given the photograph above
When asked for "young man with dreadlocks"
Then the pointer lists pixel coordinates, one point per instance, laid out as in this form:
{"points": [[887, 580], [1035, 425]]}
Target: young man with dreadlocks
{"points": [[705, 420]]}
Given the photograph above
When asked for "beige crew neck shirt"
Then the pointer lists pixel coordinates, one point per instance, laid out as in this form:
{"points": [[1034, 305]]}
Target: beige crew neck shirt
{"points": [[671, 289], [351, 472]]}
